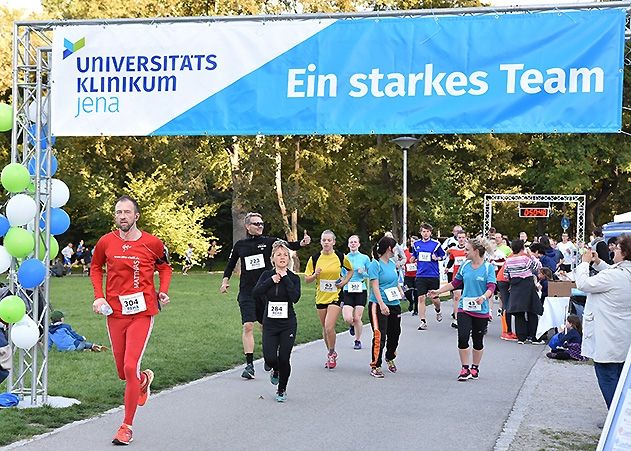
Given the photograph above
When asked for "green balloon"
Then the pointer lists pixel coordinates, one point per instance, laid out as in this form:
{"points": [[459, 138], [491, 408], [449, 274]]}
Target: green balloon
{"points": [[19, 242], [6, 117], [12, 309], [31, 188], [54, 247], [15, 178]]}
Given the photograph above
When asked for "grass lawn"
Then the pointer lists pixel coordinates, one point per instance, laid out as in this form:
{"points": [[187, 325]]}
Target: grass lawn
{"points": [[199, 333]]}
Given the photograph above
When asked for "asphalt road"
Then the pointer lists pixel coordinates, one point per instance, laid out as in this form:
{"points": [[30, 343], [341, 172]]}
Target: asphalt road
{"points": [[420, 407]]}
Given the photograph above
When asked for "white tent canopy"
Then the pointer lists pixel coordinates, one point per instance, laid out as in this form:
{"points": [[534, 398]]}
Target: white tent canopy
{"points": [[624, 217]]}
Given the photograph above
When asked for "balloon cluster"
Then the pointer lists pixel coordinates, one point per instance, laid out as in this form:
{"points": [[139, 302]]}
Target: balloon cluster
{"points": [[19, 242]]}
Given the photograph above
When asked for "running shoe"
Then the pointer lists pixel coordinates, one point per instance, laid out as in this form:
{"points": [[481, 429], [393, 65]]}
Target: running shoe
{"points": [[439, 316], [391, 366], [266, 367], [521, 342], [513, 335], [475, 372], [507, 337], [273, 377], [358, 344], [538, 342], [248, 372], [281, 396], [465, 374], [454, 324], [528, 341], [331, 361], [145, 387], [351, 330], [414, 313], [376, 372], [423, 325], [123, 435]]}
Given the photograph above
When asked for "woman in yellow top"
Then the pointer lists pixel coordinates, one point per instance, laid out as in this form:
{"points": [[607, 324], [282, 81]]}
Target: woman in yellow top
{"points": [[325, 269]]}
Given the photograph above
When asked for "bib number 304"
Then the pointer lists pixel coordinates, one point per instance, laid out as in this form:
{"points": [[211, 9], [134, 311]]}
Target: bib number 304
{"points": [[133, 303]]}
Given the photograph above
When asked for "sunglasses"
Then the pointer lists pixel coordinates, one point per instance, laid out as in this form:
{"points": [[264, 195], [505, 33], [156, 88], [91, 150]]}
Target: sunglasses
{"points": [[257, 224]]}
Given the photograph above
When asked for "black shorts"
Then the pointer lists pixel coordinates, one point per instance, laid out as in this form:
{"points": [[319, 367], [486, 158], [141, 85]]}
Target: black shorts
{"points": [[450, 277], [355, 299], [251, 309], [424, 284], [338, 302]]}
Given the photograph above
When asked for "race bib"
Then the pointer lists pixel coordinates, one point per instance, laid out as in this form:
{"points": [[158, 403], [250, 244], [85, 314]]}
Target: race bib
{"points": [[328, 286], [355, 287], [470, 305], [254, 262], [277, 310], [392, 294], [409, 267], [424, 257], [133, 303], [458, 261]]}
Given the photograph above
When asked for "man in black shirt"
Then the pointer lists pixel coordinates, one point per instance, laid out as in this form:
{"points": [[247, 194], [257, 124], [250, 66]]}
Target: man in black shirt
{"points": [[255, 254]]}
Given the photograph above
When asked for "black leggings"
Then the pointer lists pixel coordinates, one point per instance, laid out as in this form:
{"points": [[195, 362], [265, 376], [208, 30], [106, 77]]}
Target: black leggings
{"points": [[471, 326], [411, 294], [386, 331], [279, 336], [503, 288]]}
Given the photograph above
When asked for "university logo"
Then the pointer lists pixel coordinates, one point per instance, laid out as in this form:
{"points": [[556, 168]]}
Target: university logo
{"points": [[71, 47]]}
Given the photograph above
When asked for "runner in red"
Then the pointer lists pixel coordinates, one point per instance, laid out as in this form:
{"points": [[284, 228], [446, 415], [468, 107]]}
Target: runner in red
{"points": [[130, 301]]}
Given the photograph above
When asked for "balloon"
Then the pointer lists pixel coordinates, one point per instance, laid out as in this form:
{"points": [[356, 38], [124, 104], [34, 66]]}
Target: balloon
{"points": [[12, 309], [60, 194], [25, 333], [59, 221], [19, 242], [32, 133], [4, 225], [21, 209], [53, 251], [31, 111], [5, 259], [31, 273], [15, 178], [6, 117], [31, 187], [43, 173]]}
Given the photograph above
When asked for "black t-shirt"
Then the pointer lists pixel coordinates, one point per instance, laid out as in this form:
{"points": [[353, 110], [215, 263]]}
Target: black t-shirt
{"points": [[286, 290], [255, 253]]}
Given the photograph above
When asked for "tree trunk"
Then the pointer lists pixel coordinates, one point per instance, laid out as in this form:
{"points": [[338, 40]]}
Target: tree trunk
{"points": [[592, 209], [238, 208]]}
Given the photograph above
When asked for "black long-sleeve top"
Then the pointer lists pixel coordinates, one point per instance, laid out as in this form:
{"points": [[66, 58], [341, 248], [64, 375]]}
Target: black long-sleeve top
{"points": [[253, 245], [286, 290]]}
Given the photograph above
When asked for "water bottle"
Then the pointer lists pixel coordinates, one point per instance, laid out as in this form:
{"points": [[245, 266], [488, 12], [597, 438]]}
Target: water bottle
{"points": [[106, 310]]}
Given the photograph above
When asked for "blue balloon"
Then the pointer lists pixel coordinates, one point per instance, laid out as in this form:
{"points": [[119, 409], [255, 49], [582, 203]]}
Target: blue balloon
{"points": [[42, 173], [32, 134], [4, 225], [31, 273], [59, 221]]}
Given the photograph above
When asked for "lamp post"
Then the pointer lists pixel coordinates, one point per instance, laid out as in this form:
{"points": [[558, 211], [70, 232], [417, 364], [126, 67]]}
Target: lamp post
{"points": [[405, 143]]}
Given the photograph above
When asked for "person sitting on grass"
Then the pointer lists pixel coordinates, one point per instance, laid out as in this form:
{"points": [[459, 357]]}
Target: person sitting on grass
{"points": [[566, 345], [65, 338]]}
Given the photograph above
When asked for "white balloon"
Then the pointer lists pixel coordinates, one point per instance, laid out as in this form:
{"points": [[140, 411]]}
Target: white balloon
{"points": [[25, 333], [60, 194], [5, 259], [21, 209], [31, 111]]}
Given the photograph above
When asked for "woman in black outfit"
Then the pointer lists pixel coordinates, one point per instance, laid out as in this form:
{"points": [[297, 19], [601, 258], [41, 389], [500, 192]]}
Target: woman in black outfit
{"points": [[279, 290]]}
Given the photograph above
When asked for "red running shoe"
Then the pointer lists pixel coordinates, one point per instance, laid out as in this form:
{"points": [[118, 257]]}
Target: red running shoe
{"points": [[331, 360], [123, 436], [145, 387]]}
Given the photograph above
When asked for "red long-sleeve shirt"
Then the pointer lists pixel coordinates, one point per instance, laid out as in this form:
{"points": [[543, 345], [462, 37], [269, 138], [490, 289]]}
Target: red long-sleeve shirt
{"points": [[130, 267]]}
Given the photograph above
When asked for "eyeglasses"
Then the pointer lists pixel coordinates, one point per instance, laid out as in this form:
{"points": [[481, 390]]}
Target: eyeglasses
{"points": [[257, 224]]}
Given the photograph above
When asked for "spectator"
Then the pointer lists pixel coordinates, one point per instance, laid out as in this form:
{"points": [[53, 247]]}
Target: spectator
{"points": [[211, 253], [598, 244], [611, 244], [57, 269], [86, 260], [68, 252], [607, 316], [65, 338], [568, 251], [566, 344], [546, 260]]}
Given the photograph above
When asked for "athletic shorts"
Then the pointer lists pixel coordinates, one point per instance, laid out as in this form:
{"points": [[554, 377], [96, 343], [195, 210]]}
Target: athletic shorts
{"points": [[424, 284], [450, 277], [338, 301], [355, 299], [251, 309]]}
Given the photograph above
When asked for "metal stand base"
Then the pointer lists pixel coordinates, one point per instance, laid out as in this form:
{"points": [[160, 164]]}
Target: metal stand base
{"points": [[58, 402]]}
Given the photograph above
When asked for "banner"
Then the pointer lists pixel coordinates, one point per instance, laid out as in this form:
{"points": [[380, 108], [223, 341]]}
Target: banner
{"points": [[558, 71]]}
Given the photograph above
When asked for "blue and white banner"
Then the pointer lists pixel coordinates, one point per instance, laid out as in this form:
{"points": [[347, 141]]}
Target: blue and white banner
{"points": [[558, 71]]}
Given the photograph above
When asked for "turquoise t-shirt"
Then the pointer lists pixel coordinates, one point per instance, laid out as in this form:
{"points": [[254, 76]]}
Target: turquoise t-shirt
{"points": [[388, 277], [475, 281], [359, 261]]}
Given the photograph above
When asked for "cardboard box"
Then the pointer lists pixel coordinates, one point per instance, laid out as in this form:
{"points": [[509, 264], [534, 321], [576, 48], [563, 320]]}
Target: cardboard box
{"points": [[560, 289]]}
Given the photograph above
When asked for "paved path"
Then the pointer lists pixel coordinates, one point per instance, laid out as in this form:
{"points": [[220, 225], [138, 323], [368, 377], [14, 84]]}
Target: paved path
{"points": [[420, 407]]}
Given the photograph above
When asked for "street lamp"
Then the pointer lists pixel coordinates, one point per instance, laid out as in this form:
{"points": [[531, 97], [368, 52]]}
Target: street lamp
{"points": [[405, 143]]}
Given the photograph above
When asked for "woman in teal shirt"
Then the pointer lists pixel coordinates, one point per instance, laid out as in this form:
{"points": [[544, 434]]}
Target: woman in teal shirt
{"points": [[385, 306], [355, 294]]}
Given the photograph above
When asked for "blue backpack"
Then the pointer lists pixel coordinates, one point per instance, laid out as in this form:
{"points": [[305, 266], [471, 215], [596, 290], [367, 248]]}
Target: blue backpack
{"points": [[8, 400]]}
